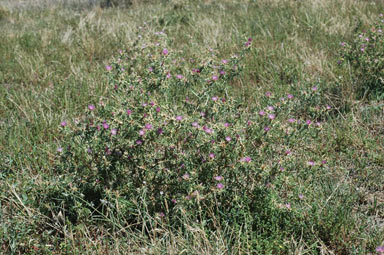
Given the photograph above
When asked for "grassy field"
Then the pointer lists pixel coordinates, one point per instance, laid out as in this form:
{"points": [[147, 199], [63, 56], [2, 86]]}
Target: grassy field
{"points": [[53, 58]]}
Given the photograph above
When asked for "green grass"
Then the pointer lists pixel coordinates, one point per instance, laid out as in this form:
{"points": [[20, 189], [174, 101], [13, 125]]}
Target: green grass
{"points": [[53, 65]]}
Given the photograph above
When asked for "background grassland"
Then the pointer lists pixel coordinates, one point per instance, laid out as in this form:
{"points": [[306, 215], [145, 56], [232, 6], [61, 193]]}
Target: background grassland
{"points": [[53, 56]]}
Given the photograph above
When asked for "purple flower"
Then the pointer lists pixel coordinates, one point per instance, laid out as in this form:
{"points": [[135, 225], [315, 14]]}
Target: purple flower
{"points": [[109, 68], [174, 201], [114, 131], [214, 98], [63, 123], [195, 124], [169, 75], [323, 162], [129, 112], [268, 93], [148, 126], [185, 176], [207, 130], [161, 214], [218, 178], [362, 49], [271, 116], [159, 131], [139, 142], [224, 61], [246, 159], [142, 132], [212, 155], [220, 186], [179, 117], [266, 129], [287, 152], [226, 124], [165, 51], [261, 113], [105, 125], [308, 122], [301, 196], [179, 76], [311, 163], [291, 120], [288, 205], [228, 138], [270, 108], [314, 88], [290, 96], [215, 78], [222, 72], [59, 149], [380, 250], [342, 44], [91, 107]]}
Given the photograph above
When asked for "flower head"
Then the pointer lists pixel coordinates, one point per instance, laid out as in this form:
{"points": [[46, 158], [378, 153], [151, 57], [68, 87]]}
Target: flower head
{"points": [[63, 123], [220, 186], [218, 178], [108, 67], [114, 131], [246, 159], [91, 107], [179, 117], [165, 51], [380, 250], [185, 176]]}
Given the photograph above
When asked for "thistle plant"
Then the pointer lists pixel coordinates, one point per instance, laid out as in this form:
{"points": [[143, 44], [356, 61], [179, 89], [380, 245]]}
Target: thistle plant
{"points": [[365, 54], [171, 136]]}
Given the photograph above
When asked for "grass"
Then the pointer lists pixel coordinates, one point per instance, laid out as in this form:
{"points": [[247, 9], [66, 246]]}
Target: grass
{"points": [[53, 65]]}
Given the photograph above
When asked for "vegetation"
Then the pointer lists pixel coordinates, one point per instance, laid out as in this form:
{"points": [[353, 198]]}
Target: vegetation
{"points": [[207, 127]]}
